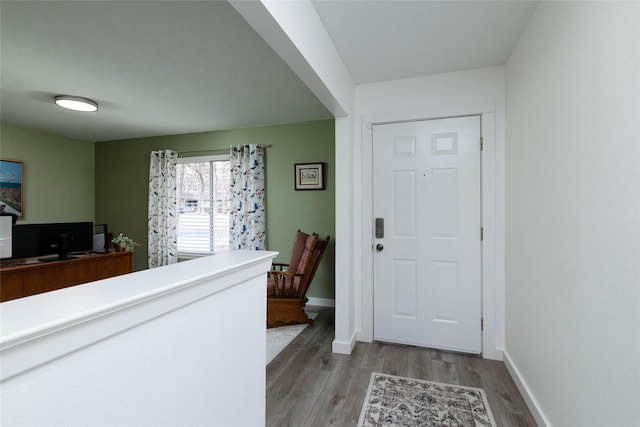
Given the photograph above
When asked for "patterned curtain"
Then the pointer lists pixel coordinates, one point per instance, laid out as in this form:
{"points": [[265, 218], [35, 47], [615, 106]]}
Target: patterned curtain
{"points": [[163, 239], [247, 229]]}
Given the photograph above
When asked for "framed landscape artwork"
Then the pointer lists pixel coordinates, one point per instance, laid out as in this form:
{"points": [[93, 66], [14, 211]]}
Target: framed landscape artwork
{"points": [[12, 187], [309, 176]]}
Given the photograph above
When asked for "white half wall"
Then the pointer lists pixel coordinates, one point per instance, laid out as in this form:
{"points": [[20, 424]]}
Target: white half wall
{"points": [[573, 213], [183, 344], [444, 95]]}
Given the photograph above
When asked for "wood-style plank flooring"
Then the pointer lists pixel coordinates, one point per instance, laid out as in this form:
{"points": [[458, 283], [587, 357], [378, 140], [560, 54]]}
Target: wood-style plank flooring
{"points": [[308, 385]]}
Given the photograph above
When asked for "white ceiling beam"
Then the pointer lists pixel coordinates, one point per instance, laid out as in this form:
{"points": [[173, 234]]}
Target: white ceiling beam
{"points": [[295, 32]]}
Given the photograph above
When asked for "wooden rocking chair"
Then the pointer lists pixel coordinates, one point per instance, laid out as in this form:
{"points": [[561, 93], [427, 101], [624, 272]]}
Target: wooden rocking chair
{"points": [[287, 284]]}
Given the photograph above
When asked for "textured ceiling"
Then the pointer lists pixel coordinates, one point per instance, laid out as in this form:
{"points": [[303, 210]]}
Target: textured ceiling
{"points": [[172, 67], [389, 40], [155, 68]]}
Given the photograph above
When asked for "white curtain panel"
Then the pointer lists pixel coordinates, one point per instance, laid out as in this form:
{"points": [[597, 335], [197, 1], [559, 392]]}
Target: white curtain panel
{"points": [[163, 240], [247, 229]]}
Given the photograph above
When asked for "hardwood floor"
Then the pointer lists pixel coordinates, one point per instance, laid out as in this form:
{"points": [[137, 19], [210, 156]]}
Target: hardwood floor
{"points": [[308, 385]]}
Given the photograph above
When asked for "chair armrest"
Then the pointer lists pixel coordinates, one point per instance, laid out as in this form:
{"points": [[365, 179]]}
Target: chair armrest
{"points": [[279, 275], [280, 281], [277, 266]]}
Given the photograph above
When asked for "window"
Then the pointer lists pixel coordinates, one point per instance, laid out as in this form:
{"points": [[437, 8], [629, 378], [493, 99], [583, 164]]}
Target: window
{"points": [[203, 205], [190, 205]]}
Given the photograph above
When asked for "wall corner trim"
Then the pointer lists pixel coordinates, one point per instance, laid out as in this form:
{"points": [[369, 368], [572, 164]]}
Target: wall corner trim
{"points": [[524, 389], [344, 347]]}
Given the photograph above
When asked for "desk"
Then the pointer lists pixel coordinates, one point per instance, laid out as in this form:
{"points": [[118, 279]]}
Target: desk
{"points": [[25, 277]]}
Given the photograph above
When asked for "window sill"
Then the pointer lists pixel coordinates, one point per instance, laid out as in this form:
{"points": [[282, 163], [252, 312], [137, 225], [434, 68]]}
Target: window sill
{"points": [[187, 256]]}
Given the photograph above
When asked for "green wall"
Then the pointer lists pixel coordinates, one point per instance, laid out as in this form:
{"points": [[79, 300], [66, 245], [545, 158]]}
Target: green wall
{"points": [[121, 185], [59, 174]]}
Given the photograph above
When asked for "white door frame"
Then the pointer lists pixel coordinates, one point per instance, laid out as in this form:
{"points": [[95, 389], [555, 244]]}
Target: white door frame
{"points": [[493, 255]]}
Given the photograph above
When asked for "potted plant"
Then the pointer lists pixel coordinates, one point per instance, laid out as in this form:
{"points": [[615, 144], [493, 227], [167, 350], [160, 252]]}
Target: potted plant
{"points": [[123, 243]]}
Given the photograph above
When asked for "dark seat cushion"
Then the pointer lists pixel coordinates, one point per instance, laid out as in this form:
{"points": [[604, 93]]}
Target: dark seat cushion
{"points": [[298, 249]]}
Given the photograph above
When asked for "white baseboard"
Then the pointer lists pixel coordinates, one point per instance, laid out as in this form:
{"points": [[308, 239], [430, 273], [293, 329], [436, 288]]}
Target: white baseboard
{"points": [[363, 337], [321, 302], [344, 347], [497, 354], [340, 347], [528, 397]]}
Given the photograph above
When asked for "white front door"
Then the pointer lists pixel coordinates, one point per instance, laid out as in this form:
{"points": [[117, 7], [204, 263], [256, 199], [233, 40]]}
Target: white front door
{"points": [[427, 236]]}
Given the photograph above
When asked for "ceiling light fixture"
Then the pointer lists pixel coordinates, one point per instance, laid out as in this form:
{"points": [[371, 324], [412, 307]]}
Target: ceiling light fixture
{"points": [[76, 103]]}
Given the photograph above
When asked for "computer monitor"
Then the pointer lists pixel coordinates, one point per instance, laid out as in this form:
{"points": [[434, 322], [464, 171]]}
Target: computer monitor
{"points": [[6, 236], [59, 239]]}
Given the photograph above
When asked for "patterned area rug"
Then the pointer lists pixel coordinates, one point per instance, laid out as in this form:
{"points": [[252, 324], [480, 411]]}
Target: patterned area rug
{"points": [[279, 338], [397, 401]]}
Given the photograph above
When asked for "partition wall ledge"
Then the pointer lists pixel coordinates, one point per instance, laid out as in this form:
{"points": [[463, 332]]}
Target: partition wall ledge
{"points": [[39, 329]]}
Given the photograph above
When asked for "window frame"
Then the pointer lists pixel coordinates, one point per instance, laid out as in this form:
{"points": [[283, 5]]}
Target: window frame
{"points": [[201, 159]]}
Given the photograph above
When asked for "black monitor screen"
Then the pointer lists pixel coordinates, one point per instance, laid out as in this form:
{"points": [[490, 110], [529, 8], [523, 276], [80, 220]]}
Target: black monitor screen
{"points": [[32, 240]]}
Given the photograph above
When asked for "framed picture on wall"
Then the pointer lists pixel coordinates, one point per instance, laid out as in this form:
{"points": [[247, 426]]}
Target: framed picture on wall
{"points": [[12, 187], [309, 176]]}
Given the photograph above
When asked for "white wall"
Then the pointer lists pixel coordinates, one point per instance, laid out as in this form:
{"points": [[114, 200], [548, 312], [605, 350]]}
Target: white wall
{"points": [[183, 344], [478, 91], [295, 31], [573, 217]]}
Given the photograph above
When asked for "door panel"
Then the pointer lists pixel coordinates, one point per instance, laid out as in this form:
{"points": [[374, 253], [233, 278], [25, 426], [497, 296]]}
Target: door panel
{"points": [[405, 292], [427, 287], [403, 200]]}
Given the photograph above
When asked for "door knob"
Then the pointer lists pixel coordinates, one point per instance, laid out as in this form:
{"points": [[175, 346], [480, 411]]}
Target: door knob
{"points": [[379, 247]]}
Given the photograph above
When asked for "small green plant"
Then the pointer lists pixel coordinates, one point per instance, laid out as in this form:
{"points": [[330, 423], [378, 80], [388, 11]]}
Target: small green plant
{"points": [[124, 243]]}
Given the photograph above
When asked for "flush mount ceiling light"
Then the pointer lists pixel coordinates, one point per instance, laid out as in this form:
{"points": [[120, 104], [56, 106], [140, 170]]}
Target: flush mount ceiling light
{"points": [[76, 103]]}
